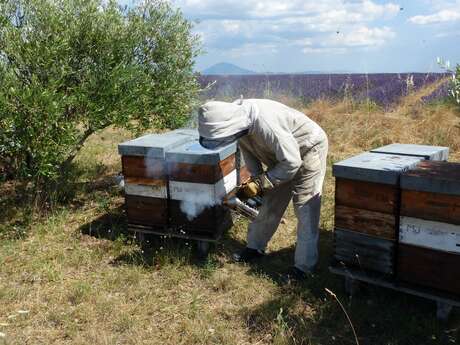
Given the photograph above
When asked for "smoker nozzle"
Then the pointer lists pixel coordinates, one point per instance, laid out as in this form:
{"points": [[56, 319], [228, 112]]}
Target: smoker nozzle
{"points": [[239, 206]]}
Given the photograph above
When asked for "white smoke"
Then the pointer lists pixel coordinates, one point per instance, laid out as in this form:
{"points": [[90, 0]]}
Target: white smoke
{"points": [[192, 122], [194, 204], [154, 168]]}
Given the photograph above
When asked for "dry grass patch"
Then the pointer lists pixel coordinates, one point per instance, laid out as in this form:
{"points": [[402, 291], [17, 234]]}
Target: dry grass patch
{"points": [[80, 279]]}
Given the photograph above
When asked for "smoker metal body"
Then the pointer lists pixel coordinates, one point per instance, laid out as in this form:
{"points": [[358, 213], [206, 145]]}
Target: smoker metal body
{"points": [[166, 173]]}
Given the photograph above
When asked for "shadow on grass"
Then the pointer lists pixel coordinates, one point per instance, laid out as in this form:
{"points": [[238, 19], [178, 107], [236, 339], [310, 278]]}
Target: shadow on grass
{"points": [[275, 264], [304, 313], [379, 316], [110, 226], [150, 250], [296, 313], [16, 210], [22, 205], [76, 194]]}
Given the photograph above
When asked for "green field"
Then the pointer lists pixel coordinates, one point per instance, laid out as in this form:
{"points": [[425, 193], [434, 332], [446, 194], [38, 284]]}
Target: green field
{"points": [[71, 274]]}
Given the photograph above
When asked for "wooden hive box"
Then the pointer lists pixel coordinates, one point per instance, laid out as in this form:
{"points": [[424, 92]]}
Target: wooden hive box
{"points": [[243, 172], [427, 152], [162, 171], [367, 209], [145, 174], [198, 180], [429, 235]]}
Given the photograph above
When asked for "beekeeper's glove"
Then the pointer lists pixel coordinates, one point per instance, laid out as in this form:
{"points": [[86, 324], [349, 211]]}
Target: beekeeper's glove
{"points": [[256, 186]]}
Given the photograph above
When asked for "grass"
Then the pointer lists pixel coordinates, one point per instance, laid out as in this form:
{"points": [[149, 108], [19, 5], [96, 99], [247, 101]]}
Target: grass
{"points": [[78, 277]]}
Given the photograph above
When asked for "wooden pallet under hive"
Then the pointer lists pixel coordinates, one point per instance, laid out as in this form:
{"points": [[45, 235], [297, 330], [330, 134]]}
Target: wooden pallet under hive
{"points": [[429, 236]]}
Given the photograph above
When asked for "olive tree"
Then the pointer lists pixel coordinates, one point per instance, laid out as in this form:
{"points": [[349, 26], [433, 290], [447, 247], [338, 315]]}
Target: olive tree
{"points": [[455, 90], [69, 68]]}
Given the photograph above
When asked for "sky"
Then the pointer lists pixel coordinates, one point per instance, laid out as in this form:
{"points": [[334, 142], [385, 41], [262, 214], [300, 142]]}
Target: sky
{"points": [[361, 36]]}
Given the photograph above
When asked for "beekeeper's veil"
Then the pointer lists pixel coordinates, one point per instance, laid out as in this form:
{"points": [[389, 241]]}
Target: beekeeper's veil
{"points": [[221, 123]]}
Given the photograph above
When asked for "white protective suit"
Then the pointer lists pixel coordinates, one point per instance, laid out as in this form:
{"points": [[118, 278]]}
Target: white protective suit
{"points": [[293, 148]]}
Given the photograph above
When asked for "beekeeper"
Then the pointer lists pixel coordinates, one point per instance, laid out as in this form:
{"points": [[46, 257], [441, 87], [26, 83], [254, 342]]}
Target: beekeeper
{"points": [[293, 150]]}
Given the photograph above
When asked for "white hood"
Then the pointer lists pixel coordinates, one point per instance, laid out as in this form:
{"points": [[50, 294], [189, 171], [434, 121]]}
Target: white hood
{"points": [[221, 119]]}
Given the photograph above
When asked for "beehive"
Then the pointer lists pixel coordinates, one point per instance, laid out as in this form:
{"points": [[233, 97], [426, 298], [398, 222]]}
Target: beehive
{"points": [[168, 174], [146, 178], [429, 236], [367, 209], [198, 180], [432, 153]]}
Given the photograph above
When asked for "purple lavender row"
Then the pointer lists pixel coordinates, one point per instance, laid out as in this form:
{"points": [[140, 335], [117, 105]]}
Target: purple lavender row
{"points": [[440, 93], [384, 89]]}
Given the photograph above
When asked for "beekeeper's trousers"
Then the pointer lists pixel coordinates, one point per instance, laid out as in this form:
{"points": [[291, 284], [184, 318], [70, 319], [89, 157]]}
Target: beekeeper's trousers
{"points": [[305, 191]]}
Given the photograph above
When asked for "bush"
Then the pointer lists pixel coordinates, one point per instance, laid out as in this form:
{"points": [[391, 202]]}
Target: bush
{"points": [[69, 68]]}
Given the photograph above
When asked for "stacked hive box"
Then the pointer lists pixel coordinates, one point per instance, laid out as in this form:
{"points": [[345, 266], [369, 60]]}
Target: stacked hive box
{"points": [[367, 209], [198, 181], [429, 236], [167, 174], [146, 178]]}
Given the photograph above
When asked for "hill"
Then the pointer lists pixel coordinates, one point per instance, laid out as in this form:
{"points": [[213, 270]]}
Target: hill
{"points": [[225, 68]]}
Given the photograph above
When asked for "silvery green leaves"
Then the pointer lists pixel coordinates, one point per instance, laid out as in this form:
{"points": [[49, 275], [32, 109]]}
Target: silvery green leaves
{"points": [[71, 68], [455, 91]]}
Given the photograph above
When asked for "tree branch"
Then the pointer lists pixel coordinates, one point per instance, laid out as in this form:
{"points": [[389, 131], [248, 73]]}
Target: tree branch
{"points": [[76, 149]]}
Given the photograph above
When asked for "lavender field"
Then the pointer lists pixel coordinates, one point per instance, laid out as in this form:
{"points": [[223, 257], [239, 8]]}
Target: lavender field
{"points": [[383, 89]]}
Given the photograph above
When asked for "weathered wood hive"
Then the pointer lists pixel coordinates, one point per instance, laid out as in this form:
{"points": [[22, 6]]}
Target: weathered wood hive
{"points": [[146, 176], [366, 209], [429, 236], [198, 181], [368, 198], [173, 186]]}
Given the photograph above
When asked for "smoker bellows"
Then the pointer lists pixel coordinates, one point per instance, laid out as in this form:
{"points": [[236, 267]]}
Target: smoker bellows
{"points": [[174, 186]]}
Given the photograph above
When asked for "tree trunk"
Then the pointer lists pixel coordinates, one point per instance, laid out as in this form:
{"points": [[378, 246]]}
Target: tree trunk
{"points": [[65, 165]]}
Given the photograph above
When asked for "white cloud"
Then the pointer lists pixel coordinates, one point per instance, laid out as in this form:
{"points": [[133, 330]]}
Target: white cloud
{"points": [[272, 25], [439, 5], [277, 8], [447, 34], [360, 37], [370, 37], [249, 49], [439, 17], [311, 50], [231, 26]]}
